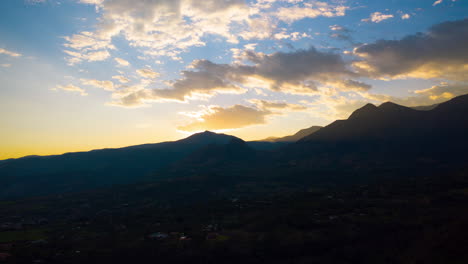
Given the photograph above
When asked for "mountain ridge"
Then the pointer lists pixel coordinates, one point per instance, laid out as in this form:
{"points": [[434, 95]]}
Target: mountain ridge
{"points": [[389, 134], [391, 121], [295, 137]]}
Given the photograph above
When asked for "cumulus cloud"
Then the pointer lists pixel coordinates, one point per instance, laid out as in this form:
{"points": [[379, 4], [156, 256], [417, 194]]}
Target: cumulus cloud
{"points": [[349, 85], [91, 2], [336, 106], [9, 53], [339, 28], [377, 17], [310, 10], [70, 88], [298, 72], [439, 53], [122, 62], [106, 85], [162, 27], [434, 95], [219, 118], [77, 57], [443, 91], [147, 73], [121, 79], [87, 46], [405, 16], [169, 27], [193, 85], [340, 33], [276, 105]]}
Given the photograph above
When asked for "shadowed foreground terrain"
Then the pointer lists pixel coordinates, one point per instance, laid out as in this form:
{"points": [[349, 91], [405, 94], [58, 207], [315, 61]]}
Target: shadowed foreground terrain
{"points": [[387, 185]]}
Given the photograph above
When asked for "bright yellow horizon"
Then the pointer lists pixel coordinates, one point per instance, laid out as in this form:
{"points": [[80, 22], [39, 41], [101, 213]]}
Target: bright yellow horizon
{"points": [[65, 143]]}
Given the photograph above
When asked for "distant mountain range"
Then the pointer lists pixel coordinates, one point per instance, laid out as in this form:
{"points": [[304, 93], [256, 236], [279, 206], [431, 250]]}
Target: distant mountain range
{"points": [[293, 138], [387, 136], [97, 168], [393, 122]]}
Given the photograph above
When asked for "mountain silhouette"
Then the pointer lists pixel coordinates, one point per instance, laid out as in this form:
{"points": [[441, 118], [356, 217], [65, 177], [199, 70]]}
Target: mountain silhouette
{"points": [[293, 138], [98, 168], [216, 157], [393, 122], [386, 137]]}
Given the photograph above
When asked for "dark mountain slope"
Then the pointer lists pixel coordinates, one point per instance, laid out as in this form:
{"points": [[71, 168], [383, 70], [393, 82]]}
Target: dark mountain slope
{"points": [[293, 138], [396, 123], [389, 121], [229, 158], [391, 138], [84, 170]]}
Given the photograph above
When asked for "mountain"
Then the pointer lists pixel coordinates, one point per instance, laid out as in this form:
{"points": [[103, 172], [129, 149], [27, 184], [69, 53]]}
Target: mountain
{"points": [[293, 138], [299, 135], [265, 145], [215, 158], [425, 107], [396, 123], [97, 168], [389, 137]]}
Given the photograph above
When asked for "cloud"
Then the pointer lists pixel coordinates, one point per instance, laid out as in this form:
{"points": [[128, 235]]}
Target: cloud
{"points": [[276, 105], [335, 107], [349, 85], [193, 85], [87, 46], [10, 53], [437, 2], [122, 62], [162, 27], [121, 79], [310, 10], [106, 85], [405, 16], [294, 36], [377, 17], [147, 73], [170, 27], [341, 33], [219, 118], [5, 65], [434, 95], [443, 91], [76, 57], [34, 2], [91, 2], [442, 52], [339, 28], [97, 56], [70, 88], [298, 72]]}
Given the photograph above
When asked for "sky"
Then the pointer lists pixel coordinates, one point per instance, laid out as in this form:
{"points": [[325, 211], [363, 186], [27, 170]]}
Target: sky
{"points": [[77, 75]]}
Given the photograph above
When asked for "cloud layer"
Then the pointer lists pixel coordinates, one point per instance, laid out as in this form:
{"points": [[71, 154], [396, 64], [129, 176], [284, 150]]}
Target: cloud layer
{"points": [[238, 116], [70, 88], [302, 72], [439, 53], [169, 27], [10, 53]]}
